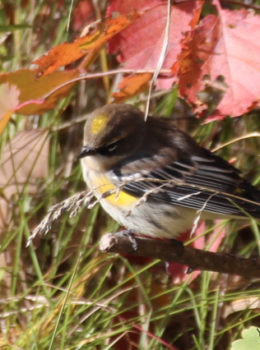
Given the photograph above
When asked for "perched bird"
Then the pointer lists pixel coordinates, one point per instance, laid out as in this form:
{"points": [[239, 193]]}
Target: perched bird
{"points": [[156, 180]]}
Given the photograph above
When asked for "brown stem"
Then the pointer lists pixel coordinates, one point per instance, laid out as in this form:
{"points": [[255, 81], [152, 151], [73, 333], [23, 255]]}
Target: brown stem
{"points": [[173, 251]]}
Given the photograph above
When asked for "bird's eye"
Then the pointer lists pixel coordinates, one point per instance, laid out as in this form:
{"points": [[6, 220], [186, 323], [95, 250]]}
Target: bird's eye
{"points": [[108, 150], [112, 147]]}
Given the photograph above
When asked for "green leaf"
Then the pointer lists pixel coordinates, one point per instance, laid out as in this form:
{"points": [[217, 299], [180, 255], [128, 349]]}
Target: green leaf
{"points": [[250, 340], [12, 28]]}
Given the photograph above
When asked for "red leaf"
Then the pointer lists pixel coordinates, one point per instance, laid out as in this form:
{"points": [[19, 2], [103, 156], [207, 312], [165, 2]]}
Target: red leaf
{"points": [[227, 46], [83, 14], [140, 44], [178, 271]]}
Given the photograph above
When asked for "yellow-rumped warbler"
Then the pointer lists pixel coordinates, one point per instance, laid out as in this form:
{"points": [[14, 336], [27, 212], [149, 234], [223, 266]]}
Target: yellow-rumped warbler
{"points": [[156, 180]]}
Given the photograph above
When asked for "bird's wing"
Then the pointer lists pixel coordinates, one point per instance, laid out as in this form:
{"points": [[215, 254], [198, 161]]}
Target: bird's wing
{"points": [[203, 182]]}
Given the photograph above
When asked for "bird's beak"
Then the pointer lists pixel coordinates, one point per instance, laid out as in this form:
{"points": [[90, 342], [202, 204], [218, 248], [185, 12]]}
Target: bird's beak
{"points": [[86, 151]]}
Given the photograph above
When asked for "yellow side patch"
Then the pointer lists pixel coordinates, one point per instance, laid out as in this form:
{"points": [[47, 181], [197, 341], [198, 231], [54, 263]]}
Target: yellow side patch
{"points": [[99, 123], [121, 198]]}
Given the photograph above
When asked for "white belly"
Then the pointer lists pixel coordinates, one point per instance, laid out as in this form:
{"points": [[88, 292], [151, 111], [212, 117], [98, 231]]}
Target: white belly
{"points": [[151, 219]]}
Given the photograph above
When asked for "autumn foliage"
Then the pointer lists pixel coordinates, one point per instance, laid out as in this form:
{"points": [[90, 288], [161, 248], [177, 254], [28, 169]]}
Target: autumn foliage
{"points": [[217, 52], [208, 54]]}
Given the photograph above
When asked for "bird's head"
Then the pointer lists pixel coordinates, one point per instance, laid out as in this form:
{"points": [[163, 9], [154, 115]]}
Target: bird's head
{"points": [[110, 133]]}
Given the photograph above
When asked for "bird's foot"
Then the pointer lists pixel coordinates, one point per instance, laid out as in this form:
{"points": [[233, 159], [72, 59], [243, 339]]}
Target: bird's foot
{"points": [[131, 236]]}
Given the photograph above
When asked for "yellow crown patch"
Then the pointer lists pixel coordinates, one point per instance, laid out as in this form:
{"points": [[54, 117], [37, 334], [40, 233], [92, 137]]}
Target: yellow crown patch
{"points": [[99, 123]]}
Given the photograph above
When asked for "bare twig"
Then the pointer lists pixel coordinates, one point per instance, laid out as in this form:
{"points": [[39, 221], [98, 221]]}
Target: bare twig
{"points": [[173, 251], [236, 139], [99, 75], [161, 57]]}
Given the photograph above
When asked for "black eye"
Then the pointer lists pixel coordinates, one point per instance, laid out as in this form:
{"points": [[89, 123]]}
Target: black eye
{"points": [[108, 150], [112, 147]]}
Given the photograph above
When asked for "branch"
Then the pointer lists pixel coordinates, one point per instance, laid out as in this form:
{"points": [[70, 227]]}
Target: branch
{"points": [[174, 251], [167, 250]]}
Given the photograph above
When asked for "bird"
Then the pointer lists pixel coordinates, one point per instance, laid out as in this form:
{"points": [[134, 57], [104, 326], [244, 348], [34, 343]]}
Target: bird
{"points": [[156, 180]]}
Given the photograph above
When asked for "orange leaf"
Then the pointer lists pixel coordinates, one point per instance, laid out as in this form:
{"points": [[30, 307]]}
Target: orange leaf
{"points": [[67, 53], [131, 85], [31, 88]]}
